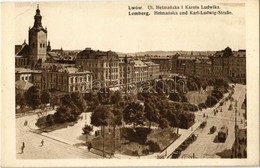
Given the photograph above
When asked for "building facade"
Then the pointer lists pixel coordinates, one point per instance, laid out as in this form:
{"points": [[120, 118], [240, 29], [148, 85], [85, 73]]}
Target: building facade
{"points": [[141, 71], [230, 64], [163, 62], [126, 70], [153, 70], [103, 65], [68, 79]]}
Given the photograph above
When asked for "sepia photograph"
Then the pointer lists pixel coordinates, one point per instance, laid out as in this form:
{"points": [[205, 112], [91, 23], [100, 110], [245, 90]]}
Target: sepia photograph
{"points": [[164, 81]]}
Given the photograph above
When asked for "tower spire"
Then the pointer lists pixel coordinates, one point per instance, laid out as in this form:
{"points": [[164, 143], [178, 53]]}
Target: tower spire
{"points": [[38, 19]]}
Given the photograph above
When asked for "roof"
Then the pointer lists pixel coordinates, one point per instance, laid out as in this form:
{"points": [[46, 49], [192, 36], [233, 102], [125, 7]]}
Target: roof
{"points": [[22, 50], [25, 70], [53, 55], [23, 85], [92, 54], [139, 63], [160, 58], [72, 70], [53, 67], [150, 63], [239, 53]]}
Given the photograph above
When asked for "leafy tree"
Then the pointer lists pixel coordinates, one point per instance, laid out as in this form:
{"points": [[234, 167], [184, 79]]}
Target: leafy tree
{"points": [[173, 119], [104, 95], [87, 129], [50, 119], [20, 100], [211, 101], [217, 94], [102, 116], [163, 123], [67, 101], [151, 113], [45, 96], [134, 114], [91, 100], [33, 97], [65, 114], [116, 97], [117, 120], [186, 119], [79, 101]]}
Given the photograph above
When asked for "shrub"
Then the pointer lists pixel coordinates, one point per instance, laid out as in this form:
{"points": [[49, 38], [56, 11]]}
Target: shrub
{"points": [[202, 105], [135, 153], [138, 134], [153, 146], [145, 151]]}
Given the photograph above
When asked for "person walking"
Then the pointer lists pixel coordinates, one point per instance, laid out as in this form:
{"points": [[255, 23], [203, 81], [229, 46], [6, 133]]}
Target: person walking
{"points": [[22, 148], [42, 142], [89, 146]]}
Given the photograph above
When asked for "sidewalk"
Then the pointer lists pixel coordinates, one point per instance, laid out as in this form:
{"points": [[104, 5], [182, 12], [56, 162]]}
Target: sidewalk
{"points": [[168, 151]]}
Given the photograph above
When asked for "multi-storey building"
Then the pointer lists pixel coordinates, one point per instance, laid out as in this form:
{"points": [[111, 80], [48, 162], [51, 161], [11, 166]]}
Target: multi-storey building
{"points": [[164, 63], [24, 74], [141, 71], [202, 68], [126, 70], [230, 64], [185, 64], [153, 70], [103, 65], [68, 79]]}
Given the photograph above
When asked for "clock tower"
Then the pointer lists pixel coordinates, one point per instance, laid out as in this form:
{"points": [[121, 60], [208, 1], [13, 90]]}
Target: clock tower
{"points": [[37, 41]]}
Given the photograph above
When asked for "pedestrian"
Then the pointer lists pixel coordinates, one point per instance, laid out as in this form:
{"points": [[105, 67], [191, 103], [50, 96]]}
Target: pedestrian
{"points": [[42, 142], [22, 148], [89, 146]]}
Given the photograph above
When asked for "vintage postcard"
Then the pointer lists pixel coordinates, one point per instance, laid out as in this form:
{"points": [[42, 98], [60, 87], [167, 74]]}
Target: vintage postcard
{"points": [[151, 83]]}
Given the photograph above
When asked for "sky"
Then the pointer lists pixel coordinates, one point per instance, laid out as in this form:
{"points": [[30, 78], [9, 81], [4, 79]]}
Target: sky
{"points": [[107, 26]]}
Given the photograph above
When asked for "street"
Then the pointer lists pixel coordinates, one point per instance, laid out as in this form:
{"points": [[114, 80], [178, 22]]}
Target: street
{"points": [[204, 147], [51, 149]]}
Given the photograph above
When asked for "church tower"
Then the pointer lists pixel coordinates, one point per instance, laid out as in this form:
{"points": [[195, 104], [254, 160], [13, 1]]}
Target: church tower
{"points": [[37, 41]]}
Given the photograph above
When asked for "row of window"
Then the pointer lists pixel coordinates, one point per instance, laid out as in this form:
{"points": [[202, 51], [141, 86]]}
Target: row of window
{"points": [[26, 78], [78, 88], [42, 45], [80, 79]]}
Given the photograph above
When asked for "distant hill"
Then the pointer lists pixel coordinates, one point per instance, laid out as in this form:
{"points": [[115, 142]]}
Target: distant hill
{"points": [[166, 53]]}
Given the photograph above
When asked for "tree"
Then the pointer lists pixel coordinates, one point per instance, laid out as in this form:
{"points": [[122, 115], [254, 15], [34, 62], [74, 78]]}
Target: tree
{"points": [[151, 113], [102, 117], [87, 129], [67, 101], [45, 97], [117, 120], [33, 97], [20, 100], [92, 100], [211, 101], [104, 95], [116, 97], [65, 114], [134, 114], [163, 123], [186, 119], [79, 101]]}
